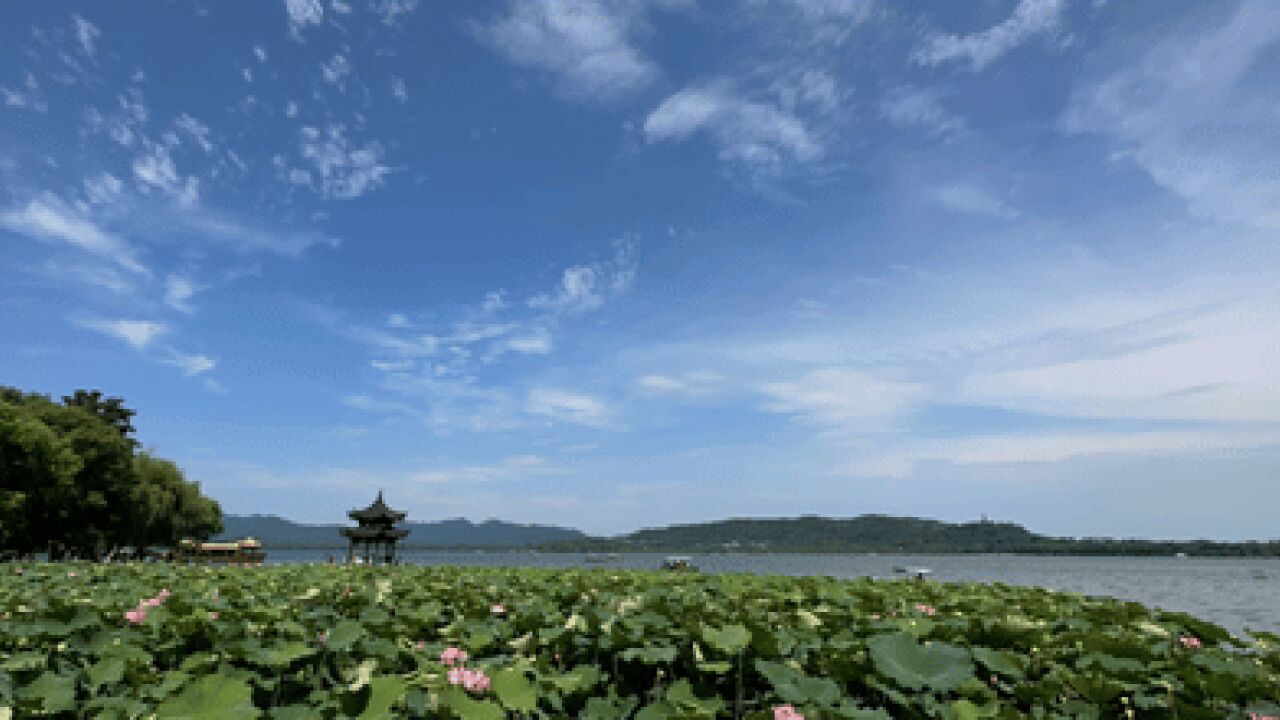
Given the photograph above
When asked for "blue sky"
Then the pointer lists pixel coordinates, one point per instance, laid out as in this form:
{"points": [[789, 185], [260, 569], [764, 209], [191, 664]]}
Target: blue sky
{"points": [[617, 264]]}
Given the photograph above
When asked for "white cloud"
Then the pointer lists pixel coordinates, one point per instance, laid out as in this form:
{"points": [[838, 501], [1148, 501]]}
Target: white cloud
{"points": [[844, 398], [968, 198], [196, 130], [586, 44], [191, 365], [1030, 18], [692, 383], [344, 169], [303, 13], [399, 90], [567, 407], [47, 218], [156, 169], [178, 291], [1197, 113], [28, 97], [1054, 448], [586, 287], [519, 467], [758, 135], [139, 334], [398, 320], [336, 70], [909, 106], [537, 342], [86, 34]]}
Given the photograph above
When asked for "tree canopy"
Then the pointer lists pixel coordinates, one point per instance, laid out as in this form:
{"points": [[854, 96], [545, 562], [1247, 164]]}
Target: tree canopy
{"points": [[74, 481]]}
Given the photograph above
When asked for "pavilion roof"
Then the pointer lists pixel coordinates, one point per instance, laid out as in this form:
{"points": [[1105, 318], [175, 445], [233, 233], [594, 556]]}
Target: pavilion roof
{"points": [[377, 510]]}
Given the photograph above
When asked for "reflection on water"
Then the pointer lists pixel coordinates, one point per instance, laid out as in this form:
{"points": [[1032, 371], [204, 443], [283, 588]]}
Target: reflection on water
{"points": [[1236, 593]]}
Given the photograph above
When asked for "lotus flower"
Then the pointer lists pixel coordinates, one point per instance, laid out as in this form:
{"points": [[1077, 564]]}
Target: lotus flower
{"points": [[1189, 642], [786, 712], [498, 609], [150, 602], [420, 645], [453, 656], [214, 615], [136, 616], [926, 609], [474, 681]]}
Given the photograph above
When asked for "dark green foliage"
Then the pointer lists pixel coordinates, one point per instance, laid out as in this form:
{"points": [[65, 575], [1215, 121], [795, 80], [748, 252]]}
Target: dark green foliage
{"points": [[72, 481], [884, 534]]}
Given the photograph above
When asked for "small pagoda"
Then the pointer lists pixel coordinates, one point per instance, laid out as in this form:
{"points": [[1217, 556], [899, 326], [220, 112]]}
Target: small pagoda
{"points": [[375, 539]]}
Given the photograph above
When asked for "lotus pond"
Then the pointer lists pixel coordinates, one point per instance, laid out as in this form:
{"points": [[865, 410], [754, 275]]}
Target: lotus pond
{"points": [[324, 642]]}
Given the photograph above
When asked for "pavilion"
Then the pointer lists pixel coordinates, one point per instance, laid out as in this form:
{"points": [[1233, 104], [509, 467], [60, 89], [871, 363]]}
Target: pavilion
{"points": [[376, 535]]}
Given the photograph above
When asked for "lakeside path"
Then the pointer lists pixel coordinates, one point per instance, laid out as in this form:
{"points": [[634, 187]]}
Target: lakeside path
{"points": [[315, 641]]}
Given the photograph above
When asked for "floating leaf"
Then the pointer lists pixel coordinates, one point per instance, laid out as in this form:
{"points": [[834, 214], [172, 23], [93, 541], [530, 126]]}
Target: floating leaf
{"points": [[936, 666]]}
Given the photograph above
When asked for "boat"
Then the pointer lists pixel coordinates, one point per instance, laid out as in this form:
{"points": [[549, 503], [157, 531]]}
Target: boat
{"points": [[679, 563], [601, 557], [919, 573], [245, 551]]}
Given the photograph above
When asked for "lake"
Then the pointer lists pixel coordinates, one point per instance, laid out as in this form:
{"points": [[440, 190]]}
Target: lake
{"points": [[1233, 592]]}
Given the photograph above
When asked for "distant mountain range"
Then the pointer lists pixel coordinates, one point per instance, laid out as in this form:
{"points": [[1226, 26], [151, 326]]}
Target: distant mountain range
{"points": [[886, 534], [276, 531], [862, 534]]}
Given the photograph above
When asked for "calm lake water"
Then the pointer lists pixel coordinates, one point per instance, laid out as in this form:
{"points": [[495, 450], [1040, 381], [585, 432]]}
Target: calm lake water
{"points": [[1235, 593]]}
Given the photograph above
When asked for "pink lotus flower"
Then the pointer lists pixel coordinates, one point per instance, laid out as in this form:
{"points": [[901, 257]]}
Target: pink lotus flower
{"points": [[474, 681], [71, 573], [136, 616], [164, 594], [151, 602], [322, 638], [421, 645], [1189, 642], [1260, 716], [498, 609], [214, 615], [453, 656], [927, 610], [786, 712]]}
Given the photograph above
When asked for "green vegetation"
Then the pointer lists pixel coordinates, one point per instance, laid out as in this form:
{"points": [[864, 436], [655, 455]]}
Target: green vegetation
{"points": [[324, 642], [74, 483], [883, 534]]}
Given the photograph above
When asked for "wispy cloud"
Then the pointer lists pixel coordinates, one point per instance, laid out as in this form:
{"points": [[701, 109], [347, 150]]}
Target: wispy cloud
{"points": [[760, 136], [568, 407], [302, 14], [515, 468], [48, 218], [1186, 114], [178, 291], [1042, 448], [969, 198], [844, 398], [339, 168], [586, 287], [910, 106], [138, 334], [585, 44], [1030, 18]]}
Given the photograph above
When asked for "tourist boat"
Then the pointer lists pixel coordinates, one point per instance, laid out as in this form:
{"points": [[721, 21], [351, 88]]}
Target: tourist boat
{"points": [[919, 573], [245, 551], [679, 563]]}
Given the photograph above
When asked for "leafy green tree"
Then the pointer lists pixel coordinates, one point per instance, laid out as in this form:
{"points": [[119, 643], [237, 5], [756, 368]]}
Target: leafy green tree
{"points": [[37, 470], [73, 482]]}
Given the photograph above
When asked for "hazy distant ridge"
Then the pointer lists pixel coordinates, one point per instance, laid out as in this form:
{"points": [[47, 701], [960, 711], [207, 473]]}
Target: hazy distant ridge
{"points": [[273, 530]]}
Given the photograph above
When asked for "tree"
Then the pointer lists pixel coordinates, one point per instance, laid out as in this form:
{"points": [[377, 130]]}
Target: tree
{"points": [[37, 470], [110, 410], [73, 481]]}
